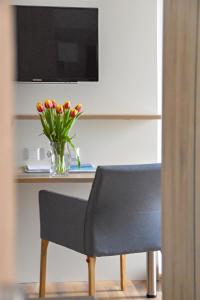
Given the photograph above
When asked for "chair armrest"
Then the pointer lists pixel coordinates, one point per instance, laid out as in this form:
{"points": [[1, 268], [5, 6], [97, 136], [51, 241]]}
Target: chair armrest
{"points": [[62, 219]]}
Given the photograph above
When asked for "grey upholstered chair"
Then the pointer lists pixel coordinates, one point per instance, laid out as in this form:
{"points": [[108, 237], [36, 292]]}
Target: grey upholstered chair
{"points": [[121, 216]]}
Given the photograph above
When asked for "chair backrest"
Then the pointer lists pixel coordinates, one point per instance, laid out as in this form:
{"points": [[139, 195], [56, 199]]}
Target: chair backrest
{"points": [[124, 210]]}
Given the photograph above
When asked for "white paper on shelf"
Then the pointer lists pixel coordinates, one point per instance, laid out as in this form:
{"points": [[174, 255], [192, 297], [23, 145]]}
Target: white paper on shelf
{"points": [[39, 166]]}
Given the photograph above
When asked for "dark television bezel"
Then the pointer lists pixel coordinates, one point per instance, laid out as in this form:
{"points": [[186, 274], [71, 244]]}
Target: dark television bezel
{"points": [[62, 80]]}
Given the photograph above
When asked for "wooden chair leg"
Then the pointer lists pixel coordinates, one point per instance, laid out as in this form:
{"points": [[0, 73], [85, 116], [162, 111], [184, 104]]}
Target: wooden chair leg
{"points": [[43, 261], [91, 275], [123, 271]]}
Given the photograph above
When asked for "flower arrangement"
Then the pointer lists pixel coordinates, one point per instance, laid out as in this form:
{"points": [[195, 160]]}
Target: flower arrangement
{"points": [[57, 121]]}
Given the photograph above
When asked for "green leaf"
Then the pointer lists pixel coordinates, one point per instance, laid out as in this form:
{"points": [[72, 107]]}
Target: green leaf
{"points": [[67, 127], [48, 115], [45, 127], [73, 121], [78, 115], [66, 117]]}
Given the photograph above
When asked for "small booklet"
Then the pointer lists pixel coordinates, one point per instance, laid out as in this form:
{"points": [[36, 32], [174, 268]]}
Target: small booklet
{"points": [[84, 168]]}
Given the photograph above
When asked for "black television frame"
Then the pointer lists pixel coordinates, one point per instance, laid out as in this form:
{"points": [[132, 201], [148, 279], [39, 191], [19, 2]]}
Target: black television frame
{"points": [[53, 80]]}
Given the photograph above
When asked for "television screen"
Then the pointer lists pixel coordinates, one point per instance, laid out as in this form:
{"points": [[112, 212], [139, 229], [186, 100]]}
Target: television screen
{"points": [[56, 44]]}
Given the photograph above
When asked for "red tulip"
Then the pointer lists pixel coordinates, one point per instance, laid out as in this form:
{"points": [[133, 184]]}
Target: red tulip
{"points": [[78, 107], [40, 107], [59, 109], [48, 103], [73, 113], [54, 103], [67, 105]]}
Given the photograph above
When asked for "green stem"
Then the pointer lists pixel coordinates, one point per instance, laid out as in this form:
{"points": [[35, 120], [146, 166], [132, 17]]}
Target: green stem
{"points": [[59, 152]]}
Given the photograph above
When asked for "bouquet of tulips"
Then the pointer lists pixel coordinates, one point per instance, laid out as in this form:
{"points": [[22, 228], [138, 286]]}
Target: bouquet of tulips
{"points": [[57, 121]]}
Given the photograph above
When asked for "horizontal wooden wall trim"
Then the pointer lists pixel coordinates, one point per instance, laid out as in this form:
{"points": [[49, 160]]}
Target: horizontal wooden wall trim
{"points": [[98, 117]]}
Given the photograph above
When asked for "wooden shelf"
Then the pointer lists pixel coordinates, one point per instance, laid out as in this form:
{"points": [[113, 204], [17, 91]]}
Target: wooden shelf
{"points": [[97, 117], [22, 177]]}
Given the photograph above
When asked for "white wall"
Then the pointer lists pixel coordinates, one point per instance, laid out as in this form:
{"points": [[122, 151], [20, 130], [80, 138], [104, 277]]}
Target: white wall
{"points": [[128, 84]]}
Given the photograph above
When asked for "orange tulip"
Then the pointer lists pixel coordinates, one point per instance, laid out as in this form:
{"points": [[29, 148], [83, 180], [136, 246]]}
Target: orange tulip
{"points": [[73, 113], [78, 107], [67, 105], [40, 107], [54, 103], [59, 109], [48, 103]]}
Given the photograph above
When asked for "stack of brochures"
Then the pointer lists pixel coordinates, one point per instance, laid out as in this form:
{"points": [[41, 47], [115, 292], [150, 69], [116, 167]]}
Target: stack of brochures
{"points": [[41, 167], [37, 167], [84, 168]]}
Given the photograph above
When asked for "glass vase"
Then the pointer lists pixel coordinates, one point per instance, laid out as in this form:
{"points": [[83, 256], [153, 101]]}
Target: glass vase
{"points": [[60, 158]]}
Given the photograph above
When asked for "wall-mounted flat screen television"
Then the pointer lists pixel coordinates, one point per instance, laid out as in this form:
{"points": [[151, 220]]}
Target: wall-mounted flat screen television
{"points": [[56, 44]]}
